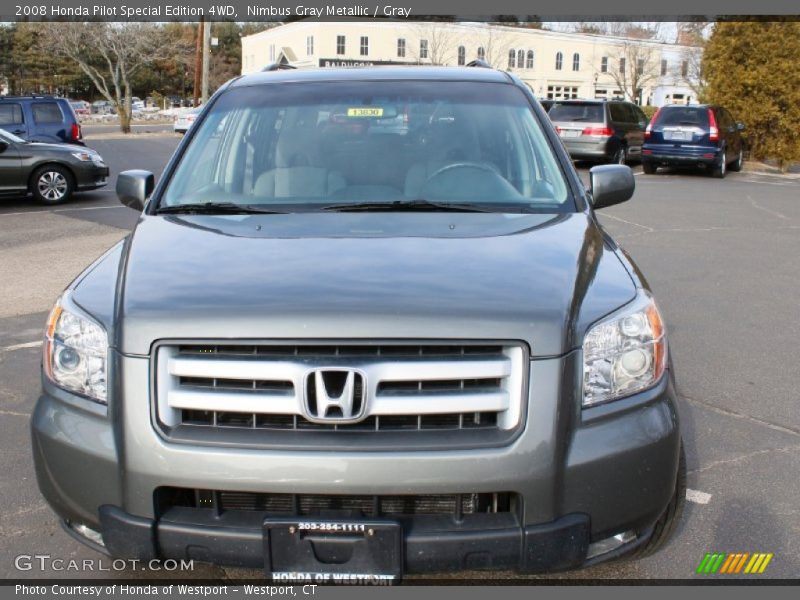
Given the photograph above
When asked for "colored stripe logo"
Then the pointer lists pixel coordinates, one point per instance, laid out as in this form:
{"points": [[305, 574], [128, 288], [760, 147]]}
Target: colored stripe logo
{"points": [[735, 563]]}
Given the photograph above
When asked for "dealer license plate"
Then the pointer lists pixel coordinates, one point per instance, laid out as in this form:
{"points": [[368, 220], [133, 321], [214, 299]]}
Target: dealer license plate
{"points": [[333, 551]]}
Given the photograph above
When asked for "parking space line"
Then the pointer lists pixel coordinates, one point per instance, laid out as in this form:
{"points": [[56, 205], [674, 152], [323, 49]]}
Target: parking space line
{"points": [[11, 413], [22, 346], [60, 210], [697, 496]]}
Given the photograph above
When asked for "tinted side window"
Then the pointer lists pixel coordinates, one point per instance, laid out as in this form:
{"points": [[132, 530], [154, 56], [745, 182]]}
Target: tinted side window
{"points": [[639, 117], [46, 112], [618, 113], [10, 114]]}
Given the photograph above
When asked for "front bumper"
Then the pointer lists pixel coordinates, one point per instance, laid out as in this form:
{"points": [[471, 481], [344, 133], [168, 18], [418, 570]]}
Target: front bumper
{"points": [[581, 476], [89, 176]]}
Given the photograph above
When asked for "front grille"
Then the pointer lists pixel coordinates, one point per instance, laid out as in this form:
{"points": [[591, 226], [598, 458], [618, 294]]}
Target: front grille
{"points": [[397, 387], [327, 504], [444, 422]]}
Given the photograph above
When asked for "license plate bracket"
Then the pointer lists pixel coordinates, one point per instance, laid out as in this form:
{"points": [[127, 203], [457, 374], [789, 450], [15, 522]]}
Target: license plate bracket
{"points": [[319, 551]]}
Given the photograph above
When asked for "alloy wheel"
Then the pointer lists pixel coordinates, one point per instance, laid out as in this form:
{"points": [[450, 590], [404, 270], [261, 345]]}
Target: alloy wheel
{"points": [[52, 185]]}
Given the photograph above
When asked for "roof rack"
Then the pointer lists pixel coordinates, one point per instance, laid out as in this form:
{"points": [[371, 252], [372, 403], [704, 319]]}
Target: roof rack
{"points": [[478, 62], [277, 67], [25, 97]]}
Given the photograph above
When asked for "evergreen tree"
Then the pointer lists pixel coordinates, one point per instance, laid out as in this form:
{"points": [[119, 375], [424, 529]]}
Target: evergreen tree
{"points": [[752, 69]]}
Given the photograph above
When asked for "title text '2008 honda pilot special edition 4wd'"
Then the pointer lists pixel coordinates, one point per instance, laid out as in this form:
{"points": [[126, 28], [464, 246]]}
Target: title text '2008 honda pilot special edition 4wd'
{"points": [[366, 325]]}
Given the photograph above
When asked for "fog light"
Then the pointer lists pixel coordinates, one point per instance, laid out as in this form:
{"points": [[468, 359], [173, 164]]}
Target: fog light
{"points": [[610, 544], [88, 533]]}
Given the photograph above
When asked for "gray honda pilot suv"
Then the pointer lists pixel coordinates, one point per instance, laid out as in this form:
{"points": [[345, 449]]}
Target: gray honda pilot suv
{"points": [[367, 324]]}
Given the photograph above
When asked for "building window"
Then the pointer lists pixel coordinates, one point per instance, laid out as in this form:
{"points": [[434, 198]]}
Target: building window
{"points": [[520, 58], [559, 92], [481, 53], [401, 47], [462, 55], [340, 45], [604, 64], [640, 66], [310, 45], [559, 61], [529, 61], [423, 48], [364, 45], [512, 58], [576, 62], [622, 65], [663, 68], [685, 68]]}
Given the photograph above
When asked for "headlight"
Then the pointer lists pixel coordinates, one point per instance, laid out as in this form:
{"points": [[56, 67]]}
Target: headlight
{"points": [[75, 353], [625, 353], [84, 156]]}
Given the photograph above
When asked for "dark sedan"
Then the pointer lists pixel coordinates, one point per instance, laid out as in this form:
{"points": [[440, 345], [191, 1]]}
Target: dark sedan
{"points": [[51, 172]]}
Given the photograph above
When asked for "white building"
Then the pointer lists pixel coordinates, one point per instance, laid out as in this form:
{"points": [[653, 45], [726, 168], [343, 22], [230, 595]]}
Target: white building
{"points": [[556, 65]]}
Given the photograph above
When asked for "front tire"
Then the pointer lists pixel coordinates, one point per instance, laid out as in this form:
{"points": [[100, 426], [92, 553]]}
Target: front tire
{"points": [[52, 184]]}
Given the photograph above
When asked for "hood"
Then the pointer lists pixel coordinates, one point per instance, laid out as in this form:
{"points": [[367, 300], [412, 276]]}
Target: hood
{"points": [[59, 147], [537, 278]]}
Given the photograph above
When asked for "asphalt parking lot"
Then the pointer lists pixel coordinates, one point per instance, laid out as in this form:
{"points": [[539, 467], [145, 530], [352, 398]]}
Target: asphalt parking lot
{"points": [[721, 256]]}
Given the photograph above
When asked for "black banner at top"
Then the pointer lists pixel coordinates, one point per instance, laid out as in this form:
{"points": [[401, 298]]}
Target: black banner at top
{"points": [[266, 10]]}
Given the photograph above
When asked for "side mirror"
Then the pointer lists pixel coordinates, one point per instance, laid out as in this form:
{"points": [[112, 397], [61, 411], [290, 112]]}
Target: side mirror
{"points": [[134, 187], [740, 126], [611, 184]]}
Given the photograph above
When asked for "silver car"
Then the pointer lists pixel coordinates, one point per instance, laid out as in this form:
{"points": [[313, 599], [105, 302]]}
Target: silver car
{"points": [[598, 130], [341, 352]]}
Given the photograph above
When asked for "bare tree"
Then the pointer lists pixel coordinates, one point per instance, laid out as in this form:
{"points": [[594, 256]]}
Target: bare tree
{"points": [[692, 73], [440, 39], [110, 54], [634, 66], [496, 43]]}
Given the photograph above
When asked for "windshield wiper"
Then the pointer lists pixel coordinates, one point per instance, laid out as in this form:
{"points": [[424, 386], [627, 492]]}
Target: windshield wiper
{"points": [[406, 205], [211, 208]]}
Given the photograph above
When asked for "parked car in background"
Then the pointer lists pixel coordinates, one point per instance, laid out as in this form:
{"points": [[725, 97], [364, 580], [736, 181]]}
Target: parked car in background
{"points": [[703, 136], [103, 107], [81, 107], [184, 120], [51, 172], [604, 131], [40, 119], [137, 104]]}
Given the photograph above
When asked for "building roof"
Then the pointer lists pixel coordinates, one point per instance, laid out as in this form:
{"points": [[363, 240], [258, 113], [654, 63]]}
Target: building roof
{"points": [[388, 73]]}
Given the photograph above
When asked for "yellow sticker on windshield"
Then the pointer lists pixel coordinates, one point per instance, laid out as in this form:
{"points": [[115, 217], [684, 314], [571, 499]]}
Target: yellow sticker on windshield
{"points": [[365, 111]]}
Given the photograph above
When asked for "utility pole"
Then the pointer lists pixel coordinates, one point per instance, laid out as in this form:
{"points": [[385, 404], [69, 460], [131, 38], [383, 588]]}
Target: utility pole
{"points": [[198, 57], [206, 59]]}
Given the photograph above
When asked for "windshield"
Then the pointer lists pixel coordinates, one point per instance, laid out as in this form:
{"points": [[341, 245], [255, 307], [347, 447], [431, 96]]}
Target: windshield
{"points": [[577, 111], [307, 146], [11, 137]]}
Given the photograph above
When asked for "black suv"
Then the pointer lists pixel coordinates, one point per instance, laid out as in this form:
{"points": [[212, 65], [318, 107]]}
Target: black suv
{"points": [[40, 119], [599, 130], [694, 136]]}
